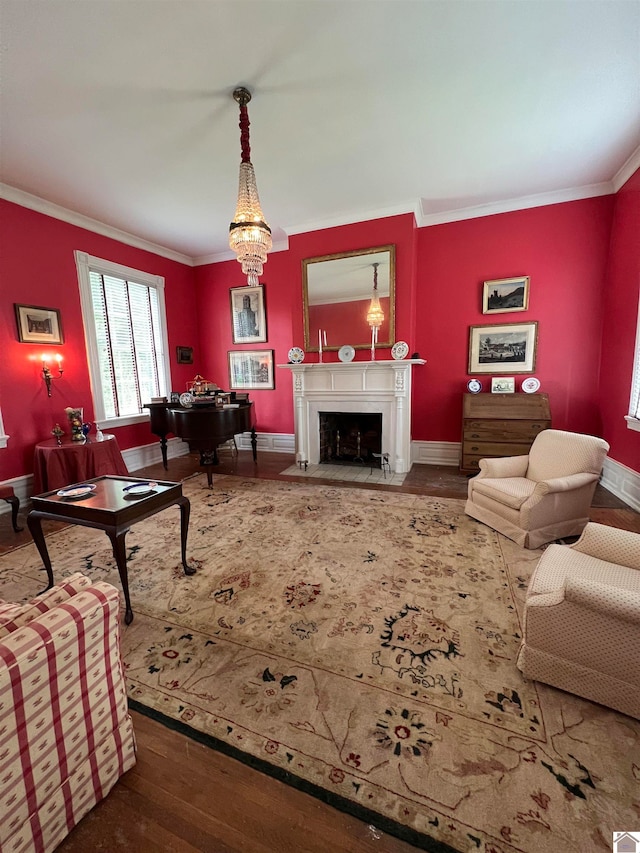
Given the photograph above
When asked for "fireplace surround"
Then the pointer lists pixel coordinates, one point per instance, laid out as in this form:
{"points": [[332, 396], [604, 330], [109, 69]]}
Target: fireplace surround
{"points": [[382, 387]]}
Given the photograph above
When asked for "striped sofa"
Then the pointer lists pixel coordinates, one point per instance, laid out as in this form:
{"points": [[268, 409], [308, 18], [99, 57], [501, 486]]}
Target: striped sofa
{"points": [[65, 732]]}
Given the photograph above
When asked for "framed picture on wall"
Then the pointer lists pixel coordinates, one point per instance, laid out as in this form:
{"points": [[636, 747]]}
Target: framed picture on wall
{"points": [[503, 348], [37, 325], [248, 316], [505, 295], [251, 369], [184, 355]]}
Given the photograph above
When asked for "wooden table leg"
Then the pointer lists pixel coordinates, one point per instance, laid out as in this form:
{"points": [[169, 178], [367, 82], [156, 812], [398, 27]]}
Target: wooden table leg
{"points": [[34, 523], [120, 554], [185, 510], [254, 444]]}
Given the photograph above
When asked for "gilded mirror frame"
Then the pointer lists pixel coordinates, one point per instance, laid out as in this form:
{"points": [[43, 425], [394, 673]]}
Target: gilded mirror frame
{"points": [[348, 278]]}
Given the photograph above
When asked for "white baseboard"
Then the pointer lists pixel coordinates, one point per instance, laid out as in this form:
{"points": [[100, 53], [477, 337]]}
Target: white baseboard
{"points": [[436, 453], [269, 442], [149, 454], [621, 481]]}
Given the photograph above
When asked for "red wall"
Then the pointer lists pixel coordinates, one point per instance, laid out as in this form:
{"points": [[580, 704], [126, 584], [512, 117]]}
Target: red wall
{"points": [[38, 268], [621, 315], [563, 248]]}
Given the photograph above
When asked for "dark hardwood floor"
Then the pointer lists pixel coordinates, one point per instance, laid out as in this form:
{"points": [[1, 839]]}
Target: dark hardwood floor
{"points": [[182, 796]]}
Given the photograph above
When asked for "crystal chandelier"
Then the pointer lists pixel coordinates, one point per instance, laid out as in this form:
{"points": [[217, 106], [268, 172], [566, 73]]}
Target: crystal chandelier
{"points": [[249, 234], [375, 314]]}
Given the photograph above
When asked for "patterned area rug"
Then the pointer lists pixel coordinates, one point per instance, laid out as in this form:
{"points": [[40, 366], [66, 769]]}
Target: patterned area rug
{"points": [[361, 645]]}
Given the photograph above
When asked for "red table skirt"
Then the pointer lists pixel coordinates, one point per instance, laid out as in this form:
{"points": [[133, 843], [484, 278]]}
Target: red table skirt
{"points": [[55, 466]]}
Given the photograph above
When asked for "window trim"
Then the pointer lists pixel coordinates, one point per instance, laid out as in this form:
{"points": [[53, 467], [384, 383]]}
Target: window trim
{"points": [[633, 421], [86, 263]]}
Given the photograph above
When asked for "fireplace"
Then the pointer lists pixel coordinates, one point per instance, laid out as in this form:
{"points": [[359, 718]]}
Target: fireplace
{"points": [[381, 388], [350, 439]]}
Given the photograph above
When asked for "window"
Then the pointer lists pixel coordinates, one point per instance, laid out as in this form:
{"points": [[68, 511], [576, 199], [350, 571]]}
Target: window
{"points": [[126, 332], [633, 418]]}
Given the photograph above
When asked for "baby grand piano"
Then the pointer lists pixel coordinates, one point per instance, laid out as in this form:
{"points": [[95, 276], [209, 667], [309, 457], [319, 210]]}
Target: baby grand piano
{"points": [[204, 427]]}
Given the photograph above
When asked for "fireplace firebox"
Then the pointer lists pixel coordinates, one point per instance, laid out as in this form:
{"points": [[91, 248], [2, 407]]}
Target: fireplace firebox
{"points": [[350, 438]]}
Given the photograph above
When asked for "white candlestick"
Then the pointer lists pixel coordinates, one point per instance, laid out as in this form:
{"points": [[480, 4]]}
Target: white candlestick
{"points": [[325, 337]]}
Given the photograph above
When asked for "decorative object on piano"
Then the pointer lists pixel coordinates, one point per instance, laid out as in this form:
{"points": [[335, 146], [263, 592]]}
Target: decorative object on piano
{"points": [[295, 355], [251, 369], [503, 348], [57, 432], [249, 234], [474, 386], [184, 355], [47, 375], [530, 385], [400, 350], [174, 397], [503, 385], [75, 419], [38, 325], [248, 315], [505, 295], [186, 399]]}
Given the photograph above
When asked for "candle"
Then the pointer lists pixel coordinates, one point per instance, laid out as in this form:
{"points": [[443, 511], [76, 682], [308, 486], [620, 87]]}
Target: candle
{"points": [[320, 340], [325, 338]]}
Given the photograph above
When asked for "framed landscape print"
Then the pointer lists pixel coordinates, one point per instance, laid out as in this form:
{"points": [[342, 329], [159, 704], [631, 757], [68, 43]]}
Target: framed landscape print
{"points": [[503, 348], [251, 369], [505, 295], [248, 316], [38, 325]]}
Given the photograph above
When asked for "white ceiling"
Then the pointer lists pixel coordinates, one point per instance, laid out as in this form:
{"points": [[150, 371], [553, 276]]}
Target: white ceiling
{"points": [[121, 110]]}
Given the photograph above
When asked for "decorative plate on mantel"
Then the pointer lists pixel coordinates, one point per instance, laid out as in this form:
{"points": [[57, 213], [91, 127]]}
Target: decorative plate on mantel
{"points": [[346, 353], [296, 355], [400, 350]]}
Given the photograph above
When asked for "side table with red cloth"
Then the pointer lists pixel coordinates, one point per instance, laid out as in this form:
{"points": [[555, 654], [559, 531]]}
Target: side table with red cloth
{"points": [[57, 465]]}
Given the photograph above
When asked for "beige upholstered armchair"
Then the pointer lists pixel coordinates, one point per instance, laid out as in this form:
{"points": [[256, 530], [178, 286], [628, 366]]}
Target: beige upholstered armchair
{"points": [[582, 619], [543, 496]]}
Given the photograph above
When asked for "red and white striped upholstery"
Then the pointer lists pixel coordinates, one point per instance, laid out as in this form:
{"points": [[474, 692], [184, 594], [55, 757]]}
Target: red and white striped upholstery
{"points": [[65, 732]]}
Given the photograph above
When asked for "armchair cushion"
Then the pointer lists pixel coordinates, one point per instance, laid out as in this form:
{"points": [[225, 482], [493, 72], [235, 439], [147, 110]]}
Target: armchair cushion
{"points": [[14, 616], [510, 491]]}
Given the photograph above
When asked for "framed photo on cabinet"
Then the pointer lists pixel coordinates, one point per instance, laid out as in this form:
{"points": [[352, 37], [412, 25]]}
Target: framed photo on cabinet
{"points": [[503, 348], [505, 295], [251, 369], [248, 316]]}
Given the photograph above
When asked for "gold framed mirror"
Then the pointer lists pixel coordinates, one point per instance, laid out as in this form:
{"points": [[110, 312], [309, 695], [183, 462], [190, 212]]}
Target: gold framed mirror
{"points": [[337, 293]]}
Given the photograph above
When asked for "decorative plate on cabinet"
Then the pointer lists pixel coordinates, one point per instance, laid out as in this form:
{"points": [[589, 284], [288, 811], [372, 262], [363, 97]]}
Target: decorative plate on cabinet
{"points": [[474, 386], [530, 385], [400, 350], [295, 355], [346, 353]]}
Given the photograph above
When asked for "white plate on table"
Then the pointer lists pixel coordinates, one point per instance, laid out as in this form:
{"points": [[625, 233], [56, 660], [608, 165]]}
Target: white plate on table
{"points": [[138, 490], [75, 493]]}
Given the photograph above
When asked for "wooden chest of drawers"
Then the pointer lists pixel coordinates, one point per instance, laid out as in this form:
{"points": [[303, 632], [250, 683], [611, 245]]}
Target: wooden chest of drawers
{"points": [[500, 425]]}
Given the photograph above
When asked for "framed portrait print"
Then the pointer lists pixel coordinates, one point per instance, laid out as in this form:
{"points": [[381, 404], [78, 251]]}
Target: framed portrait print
{"points": [[248, 316], [505, 295], [38, 325], [503, 348], [251, 369]]}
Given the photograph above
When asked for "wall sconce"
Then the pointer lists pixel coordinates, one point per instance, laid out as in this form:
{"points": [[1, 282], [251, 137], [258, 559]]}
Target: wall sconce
{"points": [[46, 372]]}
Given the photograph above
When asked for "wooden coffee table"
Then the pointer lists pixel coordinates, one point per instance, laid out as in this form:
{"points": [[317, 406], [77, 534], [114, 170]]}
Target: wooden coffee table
{"points": [[109, 508]]}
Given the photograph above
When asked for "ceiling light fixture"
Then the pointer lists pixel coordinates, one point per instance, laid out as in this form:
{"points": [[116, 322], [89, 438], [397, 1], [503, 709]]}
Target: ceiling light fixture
{"points": [[249, 234], [375, 314]]}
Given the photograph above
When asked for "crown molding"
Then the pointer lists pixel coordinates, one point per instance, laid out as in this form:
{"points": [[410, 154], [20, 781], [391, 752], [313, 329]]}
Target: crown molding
{"points": [[627, 169], [41, 205], [514, 204], [217, 257], [352, 219]]}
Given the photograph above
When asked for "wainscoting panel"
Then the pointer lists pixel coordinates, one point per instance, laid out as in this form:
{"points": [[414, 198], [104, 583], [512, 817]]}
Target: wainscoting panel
{"points": [[621, 481]]}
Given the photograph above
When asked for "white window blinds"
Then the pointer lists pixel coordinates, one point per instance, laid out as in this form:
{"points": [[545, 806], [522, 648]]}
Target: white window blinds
{"points": [[125, 327]]}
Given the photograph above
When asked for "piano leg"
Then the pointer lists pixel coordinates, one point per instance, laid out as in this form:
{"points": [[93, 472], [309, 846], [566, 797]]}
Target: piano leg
{"points": [[209, 458], [254, 444], [163, 450]]}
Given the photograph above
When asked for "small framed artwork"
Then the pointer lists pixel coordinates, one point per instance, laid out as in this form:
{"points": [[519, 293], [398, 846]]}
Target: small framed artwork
{"points": [[503, 348], [503, 385], [505, 295], [38, 325], [175, 397], [248, 316], [184, 355], [251, 369]]}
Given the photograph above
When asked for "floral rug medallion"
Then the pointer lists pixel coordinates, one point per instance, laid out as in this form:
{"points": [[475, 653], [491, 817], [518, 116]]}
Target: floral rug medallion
{"points": [[362, 645]]}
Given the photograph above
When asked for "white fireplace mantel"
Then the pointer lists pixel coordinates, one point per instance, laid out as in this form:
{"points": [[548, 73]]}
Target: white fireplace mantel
{"points": [[374, 387]]}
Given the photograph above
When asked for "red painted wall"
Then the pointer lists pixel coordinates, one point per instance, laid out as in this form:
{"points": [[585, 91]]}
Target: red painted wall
{"points": [[621, 316], [563, 248], [38, 268]]}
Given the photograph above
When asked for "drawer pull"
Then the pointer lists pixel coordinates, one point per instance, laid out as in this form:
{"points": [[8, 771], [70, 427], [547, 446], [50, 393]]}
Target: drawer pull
{"points": [[475, 448], [475, 435]]}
